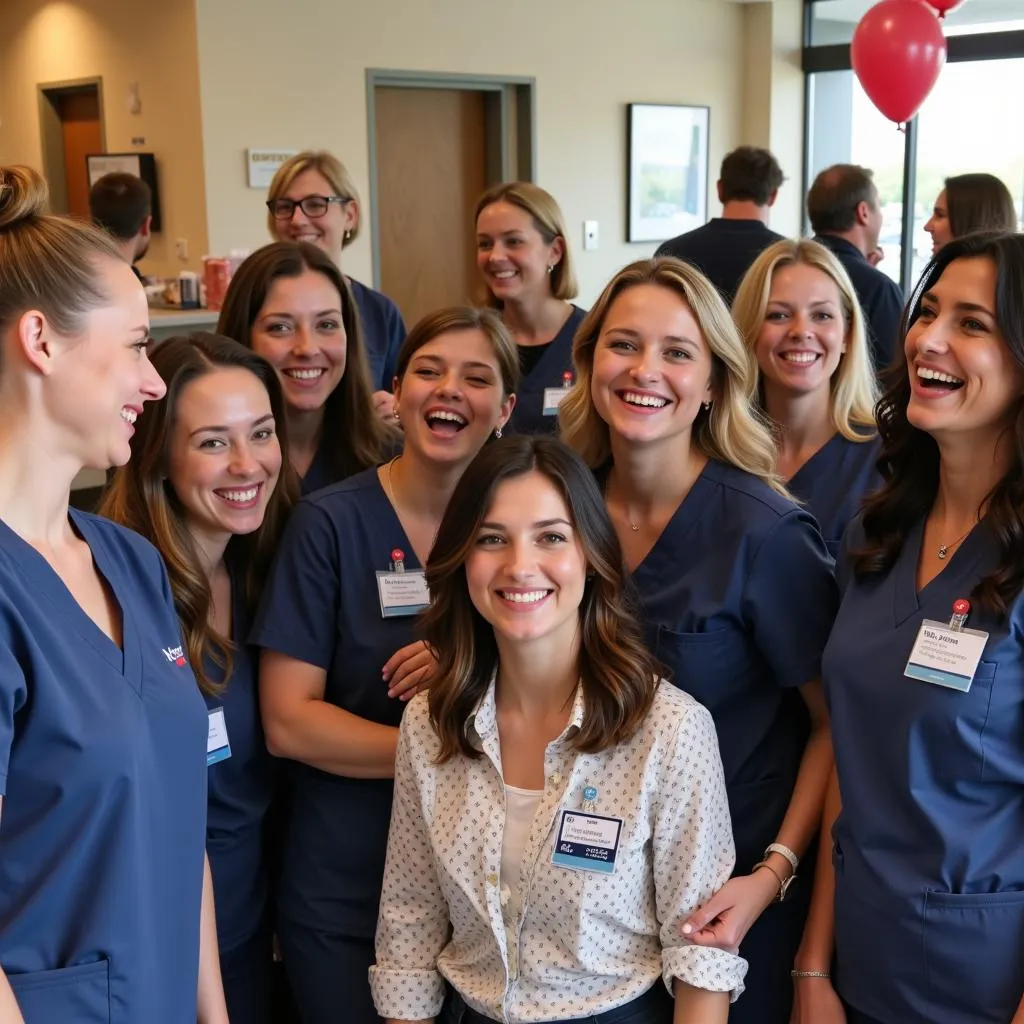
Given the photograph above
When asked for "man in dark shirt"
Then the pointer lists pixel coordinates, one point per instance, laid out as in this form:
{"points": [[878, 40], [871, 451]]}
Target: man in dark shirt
{"points": [[724, 248], [123, 205], [846, 216]]}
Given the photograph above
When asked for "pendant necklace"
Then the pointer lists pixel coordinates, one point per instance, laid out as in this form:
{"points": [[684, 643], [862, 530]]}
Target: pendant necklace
{"points": [[944, 548]]}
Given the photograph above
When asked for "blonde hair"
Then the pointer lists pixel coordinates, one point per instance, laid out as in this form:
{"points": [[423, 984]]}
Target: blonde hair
{"points": [[547, 219], [328, 166], [47, 263], [732, 430], [853, 390]]}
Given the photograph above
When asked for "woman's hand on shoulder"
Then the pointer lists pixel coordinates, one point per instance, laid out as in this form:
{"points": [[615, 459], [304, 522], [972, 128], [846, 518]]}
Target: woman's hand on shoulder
{"points": [[725, 919], [409, 670]]}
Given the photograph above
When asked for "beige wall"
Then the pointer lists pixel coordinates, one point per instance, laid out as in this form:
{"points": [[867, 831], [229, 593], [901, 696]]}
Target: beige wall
{"points": [[301, 68], [152, 42]]}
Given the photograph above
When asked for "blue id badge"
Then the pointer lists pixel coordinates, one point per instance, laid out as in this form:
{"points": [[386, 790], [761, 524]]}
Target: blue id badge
{"points": [[587, 842], [945, 655], [218, 747]]}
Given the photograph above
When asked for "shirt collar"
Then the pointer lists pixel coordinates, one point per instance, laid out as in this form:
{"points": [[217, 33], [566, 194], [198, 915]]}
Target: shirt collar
{"points": [[840, 245], [484, 718]]}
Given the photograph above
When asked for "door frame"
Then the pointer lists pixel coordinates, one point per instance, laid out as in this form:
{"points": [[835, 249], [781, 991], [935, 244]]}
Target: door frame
{"points": [[51, 137], [509, 108]]}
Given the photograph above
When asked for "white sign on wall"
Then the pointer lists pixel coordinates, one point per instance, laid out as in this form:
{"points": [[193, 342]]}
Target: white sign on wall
{"points": [[263, 164]]}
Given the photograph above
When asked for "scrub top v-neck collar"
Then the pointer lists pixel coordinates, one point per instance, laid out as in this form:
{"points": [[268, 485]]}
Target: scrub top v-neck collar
{"points": [[672, 544], [960, 569], [412, 560], [808, 467], [124, 660]]}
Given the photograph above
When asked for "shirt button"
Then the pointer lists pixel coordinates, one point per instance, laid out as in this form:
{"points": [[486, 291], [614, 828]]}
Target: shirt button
{"points": [[492, 879]]}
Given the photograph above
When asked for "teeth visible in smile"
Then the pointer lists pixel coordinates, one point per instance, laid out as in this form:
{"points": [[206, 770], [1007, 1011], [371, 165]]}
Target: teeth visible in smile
{"points": [[527, 597], [305, 374], [129, 415], [249, 494], [651, 401], [444, 414], [503, 274], [926, 373], [799, 357]]}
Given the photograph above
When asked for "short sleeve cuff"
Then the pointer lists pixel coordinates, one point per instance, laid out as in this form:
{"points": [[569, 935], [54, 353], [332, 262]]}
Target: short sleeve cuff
{"points": [[291, 646], [713, 970], [790, 676], [410, 995]]}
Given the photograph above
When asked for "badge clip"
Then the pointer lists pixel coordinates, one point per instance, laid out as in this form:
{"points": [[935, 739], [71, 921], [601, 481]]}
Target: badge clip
{"points": [[961, 609], [567, 379], [398, 560], [589, 799]]}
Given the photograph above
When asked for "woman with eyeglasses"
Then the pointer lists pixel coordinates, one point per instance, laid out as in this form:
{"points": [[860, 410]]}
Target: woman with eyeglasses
{"points": [[314, 199]]}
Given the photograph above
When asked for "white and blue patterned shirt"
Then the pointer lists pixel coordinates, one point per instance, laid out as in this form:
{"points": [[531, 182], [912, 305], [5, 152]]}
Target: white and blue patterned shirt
{"points": [[582, 942]]}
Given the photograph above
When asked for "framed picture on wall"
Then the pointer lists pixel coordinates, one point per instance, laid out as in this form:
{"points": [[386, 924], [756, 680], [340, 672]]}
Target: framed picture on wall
{"points": [[667, 173]]}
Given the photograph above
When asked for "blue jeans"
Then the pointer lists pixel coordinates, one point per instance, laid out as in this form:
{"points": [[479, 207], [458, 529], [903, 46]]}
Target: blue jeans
{"points": [[655, 1006]]}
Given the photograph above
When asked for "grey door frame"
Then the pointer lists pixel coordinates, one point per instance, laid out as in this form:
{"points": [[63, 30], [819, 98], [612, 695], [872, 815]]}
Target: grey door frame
{"points": [[51, 136], [505, 96]]}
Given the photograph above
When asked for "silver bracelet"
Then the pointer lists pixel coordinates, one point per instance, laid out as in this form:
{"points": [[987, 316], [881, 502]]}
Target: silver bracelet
{"points": [[810, 974]]}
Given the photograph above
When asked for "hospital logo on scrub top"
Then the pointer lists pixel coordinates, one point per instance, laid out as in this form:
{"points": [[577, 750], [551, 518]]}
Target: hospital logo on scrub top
{"points": [[174, 654]]}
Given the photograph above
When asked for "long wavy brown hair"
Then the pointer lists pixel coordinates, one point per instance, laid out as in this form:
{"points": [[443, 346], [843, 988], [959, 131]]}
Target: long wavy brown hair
{"points": [[618, 674], [141, 497], [358, 438]]}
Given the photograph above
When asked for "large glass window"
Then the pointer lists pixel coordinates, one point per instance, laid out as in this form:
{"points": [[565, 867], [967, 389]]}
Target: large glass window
{"points": [[833, 21], [846, 128], [963, 126]]}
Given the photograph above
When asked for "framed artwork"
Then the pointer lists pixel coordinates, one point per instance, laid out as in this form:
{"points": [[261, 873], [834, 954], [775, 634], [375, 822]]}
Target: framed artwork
{"points": [[667, 173]]}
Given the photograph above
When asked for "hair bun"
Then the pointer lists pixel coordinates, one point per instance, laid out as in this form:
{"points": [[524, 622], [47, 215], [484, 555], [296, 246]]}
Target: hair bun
{"points": [[24, 194]]}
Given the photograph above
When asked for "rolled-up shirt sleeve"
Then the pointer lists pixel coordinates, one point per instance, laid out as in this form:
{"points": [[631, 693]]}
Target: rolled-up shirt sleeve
{"points": [[413, 925], [694, 854]]}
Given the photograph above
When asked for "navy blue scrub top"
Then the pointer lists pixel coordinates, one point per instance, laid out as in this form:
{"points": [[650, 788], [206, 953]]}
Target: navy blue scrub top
{"points": [[383, 333], [832, 483], [738, 595], [103, 771], [319, 475], [241, 789], [928, 846], [528, 415], [321, 607]]}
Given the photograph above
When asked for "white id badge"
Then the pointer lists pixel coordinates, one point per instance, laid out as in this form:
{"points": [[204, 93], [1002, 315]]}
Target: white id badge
{"points": [[587, 842], [945, 656], [218, 747], [553, 399], [402, 593]]}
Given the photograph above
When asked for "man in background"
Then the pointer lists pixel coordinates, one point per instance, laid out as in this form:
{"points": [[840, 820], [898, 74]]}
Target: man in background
{"points": [[725, 247], [122, 204], [846, 216]]}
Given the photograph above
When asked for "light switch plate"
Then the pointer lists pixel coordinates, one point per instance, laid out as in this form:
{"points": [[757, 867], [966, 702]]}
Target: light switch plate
{"points": [[590, 234]]}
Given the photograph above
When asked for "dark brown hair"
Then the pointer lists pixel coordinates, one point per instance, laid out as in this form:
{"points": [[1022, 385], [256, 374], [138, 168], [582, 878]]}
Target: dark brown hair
{"points": [[464, 318], [750, 173], [619, 676], [909, 462], [120, 203], [357, 437], [835, 195], [979, 202], [141, 497]]}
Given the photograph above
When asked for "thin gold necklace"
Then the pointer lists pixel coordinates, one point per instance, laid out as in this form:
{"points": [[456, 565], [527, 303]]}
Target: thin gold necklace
{"points": [[389, 486], [944, 548]]}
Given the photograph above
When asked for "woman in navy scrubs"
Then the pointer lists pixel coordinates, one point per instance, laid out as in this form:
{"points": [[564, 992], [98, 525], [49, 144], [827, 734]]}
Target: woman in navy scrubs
{"points": [[341, 600], [208, 485], [313, 198], [106, 908], [928, 878], [290, 303], [800, 317], [524, 259], [736, 584]]}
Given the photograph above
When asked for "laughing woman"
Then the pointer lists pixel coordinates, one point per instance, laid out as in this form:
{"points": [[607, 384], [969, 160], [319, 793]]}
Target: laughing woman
{"points": [[342, 599], [736, 585], [209, 486]]}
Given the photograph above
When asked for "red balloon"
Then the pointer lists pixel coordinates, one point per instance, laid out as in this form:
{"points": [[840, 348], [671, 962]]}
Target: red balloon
{"points": [[942, 6], [898, 50]]}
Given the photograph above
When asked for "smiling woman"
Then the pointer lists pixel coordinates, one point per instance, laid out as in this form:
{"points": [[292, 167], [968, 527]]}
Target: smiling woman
{"points": [[210, 486]]}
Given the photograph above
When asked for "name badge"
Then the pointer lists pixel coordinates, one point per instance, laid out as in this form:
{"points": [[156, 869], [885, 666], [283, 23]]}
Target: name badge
{"points": [[587, 842], [946, 656], [218, 748], [553, 399], [402, 593]]}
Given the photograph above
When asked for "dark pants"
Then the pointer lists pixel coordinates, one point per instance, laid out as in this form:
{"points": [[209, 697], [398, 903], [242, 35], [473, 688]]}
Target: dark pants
{"points": [[328, 975], [856, 1017], [655, 1006], [247, 973]]}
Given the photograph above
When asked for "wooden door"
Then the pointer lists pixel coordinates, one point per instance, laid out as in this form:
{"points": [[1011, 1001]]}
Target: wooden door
{"points": [[79, 113], [431, 169]]}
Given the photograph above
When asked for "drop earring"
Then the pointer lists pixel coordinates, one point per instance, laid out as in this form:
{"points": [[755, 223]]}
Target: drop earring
{"points": [[551, 267], [348, 234], [707, 406], [497, 433]]}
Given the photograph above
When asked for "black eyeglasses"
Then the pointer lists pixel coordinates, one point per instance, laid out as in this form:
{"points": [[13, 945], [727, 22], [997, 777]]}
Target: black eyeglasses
{"points": [[311, 206]]}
